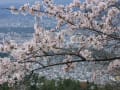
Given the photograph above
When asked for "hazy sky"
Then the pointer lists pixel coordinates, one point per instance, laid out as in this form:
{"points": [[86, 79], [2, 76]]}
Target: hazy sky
{"points": [[11, 1], [22, 1], [3, 2]]}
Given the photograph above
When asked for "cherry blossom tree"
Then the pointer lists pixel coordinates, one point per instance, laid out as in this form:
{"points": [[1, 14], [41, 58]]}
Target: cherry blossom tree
{"points": [[82, 28]]}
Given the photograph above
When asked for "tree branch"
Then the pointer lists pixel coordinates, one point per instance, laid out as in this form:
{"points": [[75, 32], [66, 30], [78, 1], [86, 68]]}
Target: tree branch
{"points": [[63, 63], [30, 61]]}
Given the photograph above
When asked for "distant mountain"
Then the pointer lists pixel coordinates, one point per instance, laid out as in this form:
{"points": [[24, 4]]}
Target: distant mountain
{"points": [[17, 30], [9, 20]]}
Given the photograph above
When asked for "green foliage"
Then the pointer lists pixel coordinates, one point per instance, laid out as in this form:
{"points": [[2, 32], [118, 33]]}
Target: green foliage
{"points": [[41, 83], [5, 86], [36, 83]]}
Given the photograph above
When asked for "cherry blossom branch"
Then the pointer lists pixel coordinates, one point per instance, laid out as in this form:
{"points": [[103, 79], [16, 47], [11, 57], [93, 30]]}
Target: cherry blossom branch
{"points": [[71, 23], [63, 63], [61, 54], [31, 61], [54, 54], [87, 28]]}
